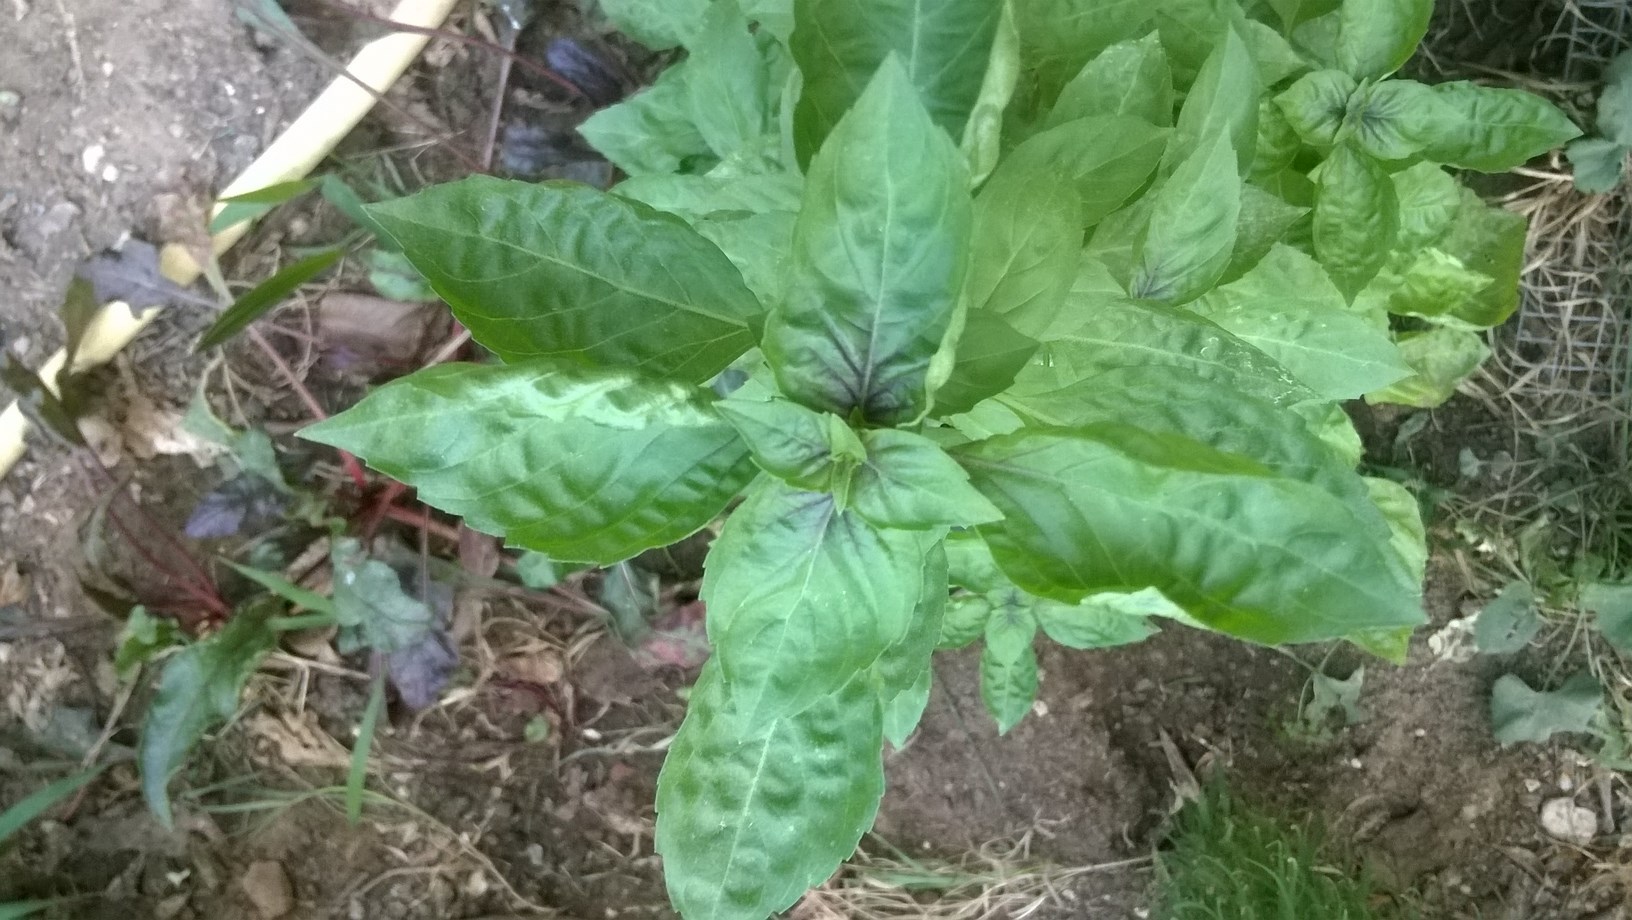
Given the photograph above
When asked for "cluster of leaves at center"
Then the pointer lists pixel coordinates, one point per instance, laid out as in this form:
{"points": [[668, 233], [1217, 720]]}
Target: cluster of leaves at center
{"points": [[999, 319]]}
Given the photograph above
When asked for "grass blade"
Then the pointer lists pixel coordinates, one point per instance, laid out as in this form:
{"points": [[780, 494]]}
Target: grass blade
{"points": [[359, 753], [36, 804], [266, 295]]}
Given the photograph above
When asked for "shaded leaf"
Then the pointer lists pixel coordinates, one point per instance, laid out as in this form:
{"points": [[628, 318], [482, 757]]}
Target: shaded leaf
{"points": [[1127, 78], [629, 594], [1599, 164], [1357, 218], [264, 296], [250, 205], [242, 504], [142, 638], [1613, 605], [1518, 713], [1191, 234], [1508, 623], [40, 801], [907, 481], [1441, 359]]}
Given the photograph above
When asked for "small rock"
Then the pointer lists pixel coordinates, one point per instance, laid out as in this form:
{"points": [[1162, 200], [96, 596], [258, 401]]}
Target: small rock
{"points": [[170, 907], [91, 159], [11, 105], [1567, 821], [268, 888]]}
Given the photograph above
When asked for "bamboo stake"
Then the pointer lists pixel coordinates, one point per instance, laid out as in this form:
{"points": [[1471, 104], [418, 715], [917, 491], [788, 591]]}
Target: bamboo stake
{"points": [[296, 152]]}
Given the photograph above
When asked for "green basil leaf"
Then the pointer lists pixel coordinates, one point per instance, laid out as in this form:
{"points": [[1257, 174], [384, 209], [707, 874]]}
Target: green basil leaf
{"points": [[1114, 334], [1128, 78], [1027, 244], [983, 133], [1441, 358], [1490, 241], [757, 244], [1615, 102], [1109, 157], [903, 663], [1251, 554], [1191, 235], [198, 690], [1316, 105], [1275, 57], [565, 271], [1493, 130], [1389, 119], [909, 482], [803, 596], [905, 710], [1429, 201], [749, 817], [879, 256], [1223, 100], [965, 620], [1408, 537], [1058, 37], [1101, 620], [1266, 220], [651, 132], [1435, 286], [970, 565], [815, 451], [657, 24], [1008, 663], [990, 354], [1376, 37], [1289, 308], [1279, 143], [726, 81], [1357, 217], [650, 464], [1598, 164], [840, 44], [1295, 13]]}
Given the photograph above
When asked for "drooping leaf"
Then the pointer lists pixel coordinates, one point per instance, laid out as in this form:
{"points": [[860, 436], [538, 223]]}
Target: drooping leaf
{"points": [[1008, 662], [1434, 285], [569, 272], [266, 295], [990, 354], [1222, 101], [657, 24], [909, 482], [983, 132], [905, 710], [814, 451], [1519, 713], [1508, 623], [1490, 241], [650, 463], [1027, 244], [1376, 37], [1191, 235], [1101, 620], [652, 132], [878, 261], [1441, 358], [1357, 217], [840, 44], [1214, 533], [1128, 78], [1491, 129], [1108, 157], [1316, 105], [1289, 308], [751, 816], [726, 81], [198, 690], [803, 596]]}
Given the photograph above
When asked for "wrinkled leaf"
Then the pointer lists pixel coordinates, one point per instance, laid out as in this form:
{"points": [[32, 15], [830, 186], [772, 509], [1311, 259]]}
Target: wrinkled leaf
{"points": [[1376, 37], [1493, 130], [1191, 235], [1316, 105], [1441, 358], [1357, 217], [815, 451]]}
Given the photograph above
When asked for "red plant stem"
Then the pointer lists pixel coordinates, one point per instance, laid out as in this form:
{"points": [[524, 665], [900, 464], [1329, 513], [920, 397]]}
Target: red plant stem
{"points": [[422, 519], [376, 511], [352, 467]]}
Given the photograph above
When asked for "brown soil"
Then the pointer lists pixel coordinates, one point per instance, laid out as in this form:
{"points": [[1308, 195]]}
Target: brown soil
{"points": [[481, 822]]}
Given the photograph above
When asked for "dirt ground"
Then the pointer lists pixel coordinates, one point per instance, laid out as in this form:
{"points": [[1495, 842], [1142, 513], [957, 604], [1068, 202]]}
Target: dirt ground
{"points": [[119, 118]]}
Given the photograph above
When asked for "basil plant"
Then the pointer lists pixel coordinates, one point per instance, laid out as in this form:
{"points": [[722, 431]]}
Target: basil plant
{"points": [[976, 320]]}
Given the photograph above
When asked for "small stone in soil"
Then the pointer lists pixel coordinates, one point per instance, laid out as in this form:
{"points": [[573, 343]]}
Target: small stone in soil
{"points": [[268, 889], [1567, 821]]}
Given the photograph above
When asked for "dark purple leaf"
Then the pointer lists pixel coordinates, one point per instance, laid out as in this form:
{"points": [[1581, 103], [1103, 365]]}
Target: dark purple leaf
{"points": [[585, 69], [420, 669], [131, 274], [244, 503]]}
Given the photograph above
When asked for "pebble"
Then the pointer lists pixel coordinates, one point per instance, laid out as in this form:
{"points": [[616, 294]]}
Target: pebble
{"points": [[11, 105], [1567, 821], [268, 889], [91, 159]]}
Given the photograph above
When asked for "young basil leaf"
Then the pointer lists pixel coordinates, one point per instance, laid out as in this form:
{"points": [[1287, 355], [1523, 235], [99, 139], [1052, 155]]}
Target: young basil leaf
{"points": [[1128, 78], [562, 270], [1441, 358], [1408, 537], [1295, 13], [840, 44], [814, 451], [1027, 244], [1211, 533], [909, 482], [1288, 307], [905, 710], [990, 354], [1429, 201], [1114, 334], [969, 565], [1223, 100], [1598, 164], [803, 596], [899, 668], [1279, 143], [1008, 663], [650, 133], [694, 197], [657, 24], [1376, 37], [749, 815], [1357, 217], [1192, 226], [1101, 620], [1388, 119], [1266, 221], [965, 620], [983, 133], [1492, 130], [650, 464], [726, 81], [199, 689], [879, 256], [1316, 105], [1109, 157], [1435, 286]]}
